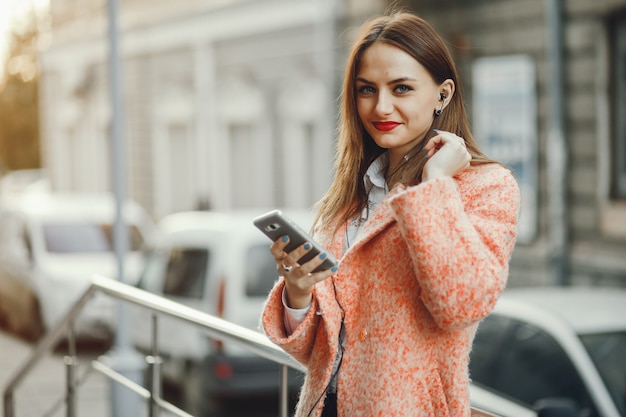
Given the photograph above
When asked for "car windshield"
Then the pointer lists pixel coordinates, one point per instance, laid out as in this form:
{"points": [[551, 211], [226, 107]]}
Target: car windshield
{"points": [[85, 237], [608, 352], [177, 272], [260, 271], [181, 271]]}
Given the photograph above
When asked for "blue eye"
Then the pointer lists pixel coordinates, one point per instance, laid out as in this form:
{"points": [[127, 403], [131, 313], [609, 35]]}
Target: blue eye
{"points": [[366, 89], [403, 89]]}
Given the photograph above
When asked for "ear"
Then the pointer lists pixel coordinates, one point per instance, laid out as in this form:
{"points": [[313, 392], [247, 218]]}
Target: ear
{"points": [[447, 88]]}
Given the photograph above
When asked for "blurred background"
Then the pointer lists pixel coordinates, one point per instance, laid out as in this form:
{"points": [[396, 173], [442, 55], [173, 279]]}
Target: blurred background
{"points": [[231, 104]]}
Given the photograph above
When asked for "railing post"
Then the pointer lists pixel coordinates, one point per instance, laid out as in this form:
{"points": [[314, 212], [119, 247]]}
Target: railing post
{"points": [[70, 387], [107, 365], [9, 409], [283, 391], [70, 375], [154, 370]]}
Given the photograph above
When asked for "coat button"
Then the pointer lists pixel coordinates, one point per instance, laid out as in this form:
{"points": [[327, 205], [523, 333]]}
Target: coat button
{"points": [[363, 334]]}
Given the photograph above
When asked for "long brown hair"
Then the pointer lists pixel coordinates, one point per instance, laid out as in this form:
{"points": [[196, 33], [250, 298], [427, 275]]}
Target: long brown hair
{"points": [[356, 150]]}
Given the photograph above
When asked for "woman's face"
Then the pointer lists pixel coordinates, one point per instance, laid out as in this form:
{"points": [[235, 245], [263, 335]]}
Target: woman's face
{"points": [[395, 97]]}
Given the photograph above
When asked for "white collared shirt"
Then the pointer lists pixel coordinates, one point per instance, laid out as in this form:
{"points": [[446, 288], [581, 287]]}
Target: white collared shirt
{"points": [[376, 188]]}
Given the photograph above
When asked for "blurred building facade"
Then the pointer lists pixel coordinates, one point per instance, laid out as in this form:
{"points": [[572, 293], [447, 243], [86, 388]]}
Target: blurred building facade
{"points": [[231, 103], [574, 232], [227, 103]]}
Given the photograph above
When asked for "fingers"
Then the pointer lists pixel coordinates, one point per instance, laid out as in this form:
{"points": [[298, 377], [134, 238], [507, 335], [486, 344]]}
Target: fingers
{"points": [[278, 248], [447, 155], [436, 142], [300, 279], [288, 262], [300, 282]]}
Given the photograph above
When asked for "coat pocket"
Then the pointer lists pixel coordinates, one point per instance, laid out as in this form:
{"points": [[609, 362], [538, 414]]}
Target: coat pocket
{"points": [[436, 395]]}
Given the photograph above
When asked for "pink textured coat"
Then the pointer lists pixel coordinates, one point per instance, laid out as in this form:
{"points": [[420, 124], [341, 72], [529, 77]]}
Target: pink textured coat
{"points": [[429, 265]]}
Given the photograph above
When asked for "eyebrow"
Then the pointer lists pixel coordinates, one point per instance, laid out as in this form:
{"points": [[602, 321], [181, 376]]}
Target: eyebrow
{"points": [[396, 81]]}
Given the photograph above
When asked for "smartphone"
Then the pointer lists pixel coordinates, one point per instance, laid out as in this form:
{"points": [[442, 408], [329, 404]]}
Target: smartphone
{"points": [[276, 224]]}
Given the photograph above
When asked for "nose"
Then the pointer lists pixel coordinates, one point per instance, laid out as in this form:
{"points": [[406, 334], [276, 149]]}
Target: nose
{"points": [[384, 103]]}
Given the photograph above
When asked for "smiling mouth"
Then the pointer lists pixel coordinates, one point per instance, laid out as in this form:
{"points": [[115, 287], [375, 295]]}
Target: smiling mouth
{"points": [[385, 126]]}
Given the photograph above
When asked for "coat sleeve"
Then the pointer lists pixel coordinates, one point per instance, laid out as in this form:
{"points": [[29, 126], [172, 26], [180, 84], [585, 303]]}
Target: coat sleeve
{"points": [[300, 342], [460, 236]]}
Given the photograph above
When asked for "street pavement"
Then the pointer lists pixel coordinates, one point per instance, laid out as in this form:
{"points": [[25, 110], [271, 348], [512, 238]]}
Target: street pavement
{"points": [[44, 388]]}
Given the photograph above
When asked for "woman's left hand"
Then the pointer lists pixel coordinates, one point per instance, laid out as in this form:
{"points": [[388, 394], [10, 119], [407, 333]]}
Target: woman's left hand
{"points": [[447, 156]]}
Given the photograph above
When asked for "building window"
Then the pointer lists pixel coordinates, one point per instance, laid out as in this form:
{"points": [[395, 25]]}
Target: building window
{"points": [[618, 173], [244, 169], [309, 152]]}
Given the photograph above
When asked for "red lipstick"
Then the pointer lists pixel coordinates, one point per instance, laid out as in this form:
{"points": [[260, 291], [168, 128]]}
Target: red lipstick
{"points": [[385, 126]]}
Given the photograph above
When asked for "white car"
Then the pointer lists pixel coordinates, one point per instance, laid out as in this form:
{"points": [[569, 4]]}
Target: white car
{"points": [[492, 404], [52, 244], [566, 343], [487, 401], [218, 263]]}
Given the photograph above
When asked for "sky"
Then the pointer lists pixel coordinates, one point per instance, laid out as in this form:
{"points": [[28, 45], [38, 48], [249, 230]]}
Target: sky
{"points": [[10, 11]]}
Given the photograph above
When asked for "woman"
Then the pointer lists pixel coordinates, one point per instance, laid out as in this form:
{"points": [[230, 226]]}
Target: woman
{"points": [[423, 224]]}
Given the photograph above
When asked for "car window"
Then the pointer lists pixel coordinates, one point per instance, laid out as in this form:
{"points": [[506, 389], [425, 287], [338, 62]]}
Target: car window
{"points": [[260, 271], [85, 237], [527, 365], [151, 278], [185, 272], [486, 345], [608, 353]]}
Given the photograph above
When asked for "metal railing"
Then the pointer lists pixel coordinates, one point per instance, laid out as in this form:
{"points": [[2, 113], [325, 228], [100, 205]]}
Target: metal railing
{"points": [[215, 327]]}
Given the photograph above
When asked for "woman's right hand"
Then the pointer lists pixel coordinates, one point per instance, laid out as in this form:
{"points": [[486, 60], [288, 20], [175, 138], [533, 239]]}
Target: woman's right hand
{"points": [[299, 279], [447, 156]]}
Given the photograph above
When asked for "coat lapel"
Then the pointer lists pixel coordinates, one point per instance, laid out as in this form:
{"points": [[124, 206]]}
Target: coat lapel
{"points": [[379, 220]]}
